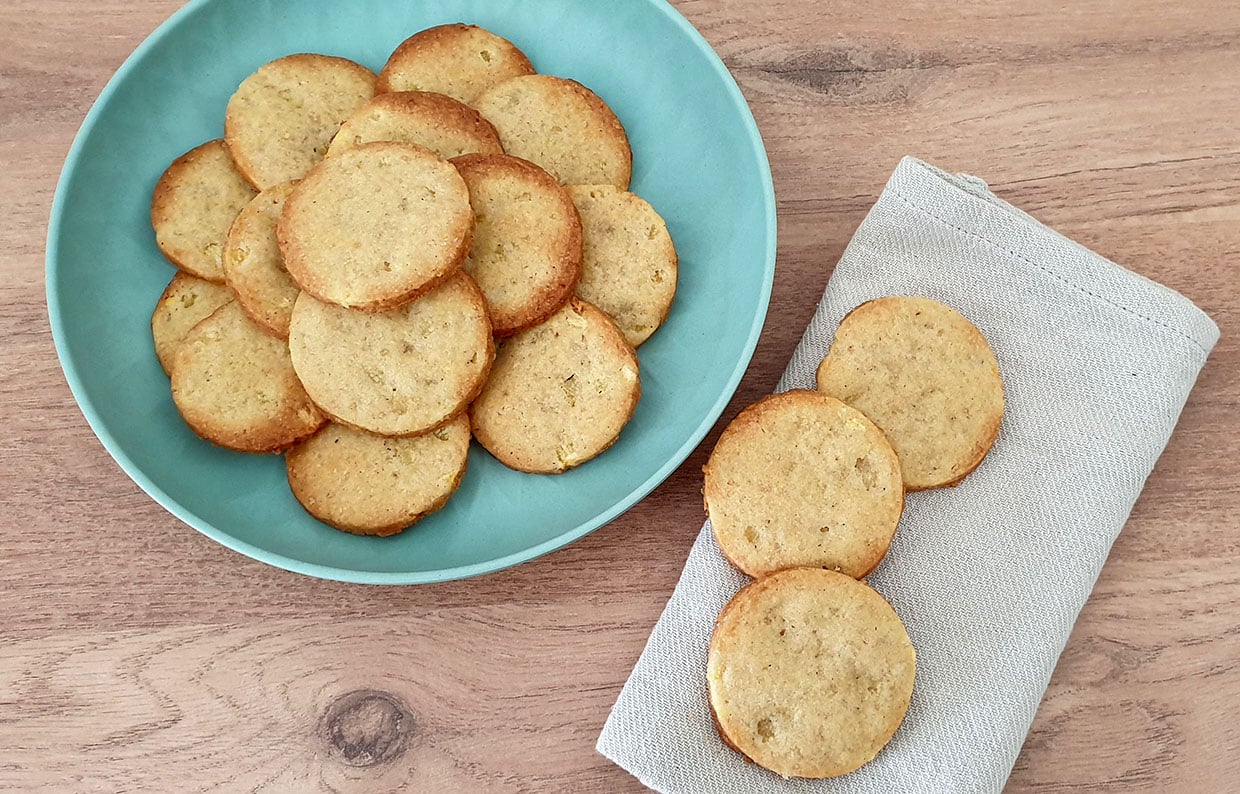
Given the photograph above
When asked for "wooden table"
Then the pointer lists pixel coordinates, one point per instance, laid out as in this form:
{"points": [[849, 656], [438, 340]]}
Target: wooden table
{"points": [[137, 653]]}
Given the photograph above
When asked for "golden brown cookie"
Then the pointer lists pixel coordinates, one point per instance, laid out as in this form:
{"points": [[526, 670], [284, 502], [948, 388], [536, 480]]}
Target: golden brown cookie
{"points": [[800, 479], [399, 372], [194, 203], [559, 393], [281, 118], [461, 61], [561, 126], [371, 485], [234, 385], [440, 123], [810, 673], [927, 377], [526, 252], [253, 266], [186, 301], [629, 264], [376, 226]]}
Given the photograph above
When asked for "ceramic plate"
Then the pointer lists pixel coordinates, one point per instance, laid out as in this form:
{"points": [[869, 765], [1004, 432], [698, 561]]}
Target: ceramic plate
{"points": [[697, 158]]}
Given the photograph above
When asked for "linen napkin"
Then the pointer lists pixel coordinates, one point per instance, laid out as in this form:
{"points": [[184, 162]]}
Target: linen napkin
{"points": [[989, 576]]}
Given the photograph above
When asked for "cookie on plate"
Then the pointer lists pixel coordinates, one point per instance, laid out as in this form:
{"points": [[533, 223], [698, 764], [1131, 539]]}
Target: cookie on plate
{"points": [[460, 61], [629, 264], [927, 377], [440, 123], [187, 300], [371, 485], [194, 204], [399, 372], [809, 673], [561, 126], [526, 251], [376, 226], [281, 118], [253, 266], [801, 479], [559, 393], [234, 385]]}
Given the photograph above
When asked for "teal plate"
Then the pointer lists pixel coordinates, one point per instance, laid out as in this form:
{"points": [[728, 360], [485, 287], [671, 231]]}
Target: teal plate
{"points": [[697, 158]]}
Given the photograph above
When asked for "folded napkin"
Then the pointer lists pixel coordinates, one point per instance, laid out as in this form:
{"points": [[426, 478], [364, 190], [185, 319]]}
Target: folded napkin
{"points": [[989, 576]]}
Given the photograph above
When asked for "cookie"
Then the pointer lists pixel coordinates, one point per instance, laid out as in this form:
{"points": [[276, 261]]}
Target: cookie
{"points": [[437, 122], [375, 226], [234, 385], [399, 372], [253, 266], [629, 264], [194, 204], [561, 126], [186, 301], [809, 673], [460, 61], [559, 392], [526, 251], [281, 118], [927, 377], [371, 485], [801, 479]]}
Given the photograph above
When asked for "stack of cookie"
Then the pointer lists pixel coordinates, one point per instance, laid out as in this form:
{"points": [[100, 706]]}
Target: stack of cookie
{"points": [[373, 269], [810, 671]]}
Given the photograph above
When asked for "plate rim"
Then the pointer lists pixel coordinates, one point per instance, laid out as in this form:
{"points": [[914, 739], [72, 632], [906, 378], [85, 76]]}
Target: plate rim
{"points": [[112, 445]]}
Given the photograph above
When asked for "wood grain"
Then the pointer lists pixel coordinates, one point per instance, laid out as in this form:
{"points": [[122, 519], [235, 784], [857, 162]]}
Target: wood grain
{"points": [[138, 655]]}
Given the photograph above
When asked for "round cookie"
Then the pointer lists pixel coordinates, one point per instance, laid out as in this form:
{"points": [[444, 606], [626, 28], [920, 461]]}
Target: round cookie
{"points": [[559, 393], [458, 60], [253, 266], [376, 226], [371, 485], [927, 377], [629, 264], [399, 372], [561, 126], [526, 251], [437, 122], [809, 673], [281, 118], [187, 300], [234, 385], [801, 479], [194, 204]]}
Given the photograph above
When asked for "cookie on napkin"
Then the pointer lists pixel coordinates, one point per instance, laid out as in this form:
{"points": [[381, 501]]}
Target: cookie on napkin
{"points": [[801, 479], [927, 377], [810, 673]]}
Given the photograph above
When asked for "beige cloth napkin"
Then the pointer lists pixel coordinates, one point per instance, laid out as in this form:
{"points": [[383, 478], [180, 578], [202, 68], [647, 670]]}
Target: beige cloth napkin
{"points": [[989, 576]]}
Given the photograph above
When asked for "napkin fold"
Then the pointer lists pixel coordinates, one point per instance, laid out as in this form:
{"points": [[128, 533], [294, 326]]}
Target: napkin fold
{"points": [[989, 576]]}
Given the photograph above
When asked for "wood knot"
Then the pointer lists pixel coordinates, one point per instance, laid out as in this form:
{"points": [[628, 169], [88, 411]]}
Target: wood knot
{"points": [[858, 75], [367, 727]]}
